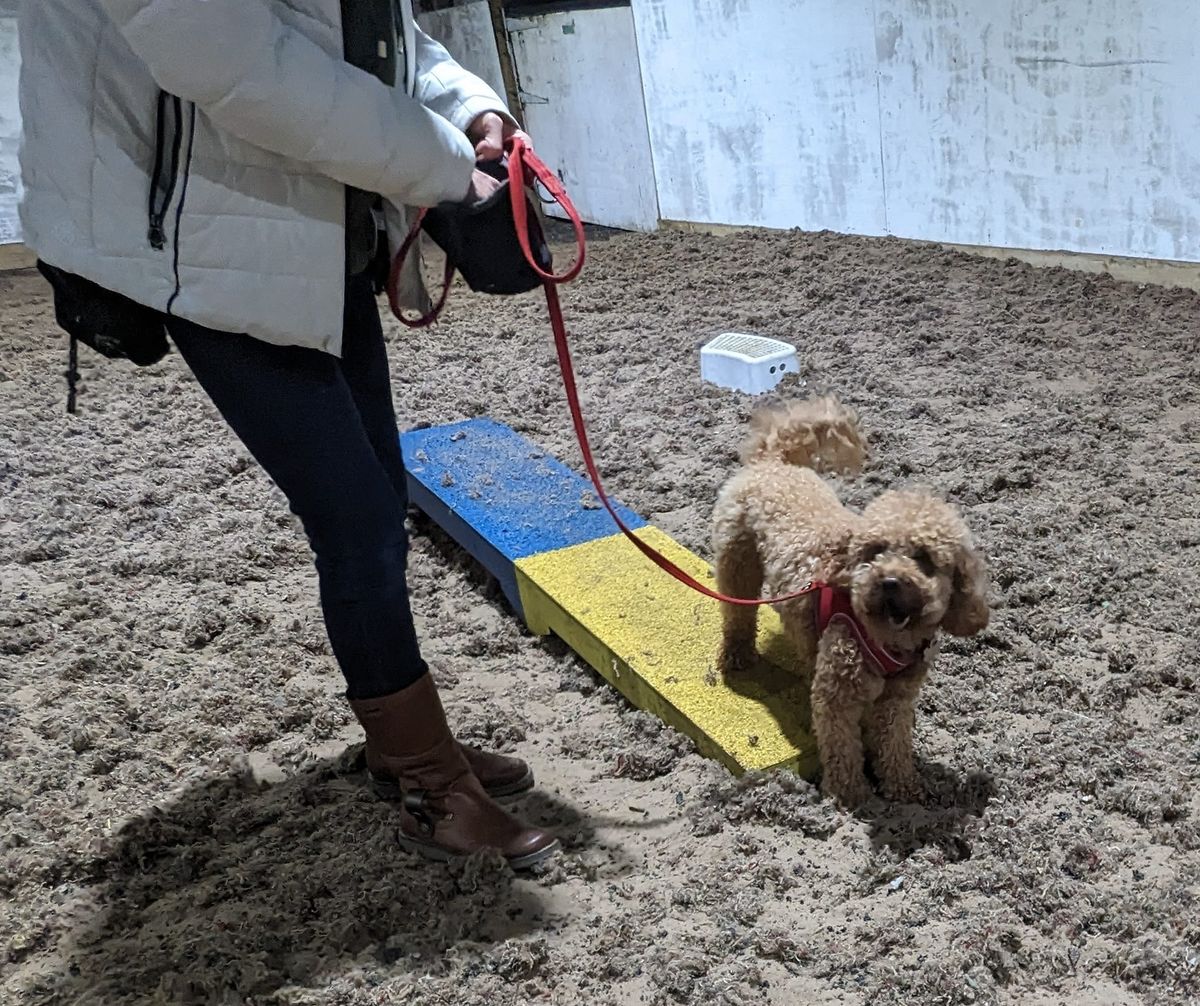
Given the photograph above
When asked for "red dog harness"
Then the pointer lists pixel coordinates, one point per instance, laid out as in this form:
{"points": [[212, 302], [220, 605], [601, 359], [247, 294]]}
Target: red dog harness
{"points": [[834, 605]]}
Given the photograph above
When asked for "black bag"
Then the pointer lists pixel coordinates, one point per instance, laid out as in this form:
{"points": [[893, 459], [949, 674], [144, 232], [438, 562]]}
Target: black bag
{"points": [[480, 240], [111, 324]]}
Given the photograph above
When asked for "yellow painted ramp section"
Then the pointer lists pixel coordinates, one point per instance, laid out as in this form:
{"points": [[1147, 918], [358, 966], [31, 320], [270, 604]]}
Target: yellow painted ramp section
{"points": [[656, 641]]}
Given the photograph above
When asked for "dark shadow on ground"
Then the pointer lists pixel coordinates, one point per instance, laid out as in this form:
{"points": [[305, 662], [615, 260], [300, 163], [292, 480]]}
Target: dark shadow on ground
{"points": [[238, 889], [951, 800], [455, 556], [561, 232]]}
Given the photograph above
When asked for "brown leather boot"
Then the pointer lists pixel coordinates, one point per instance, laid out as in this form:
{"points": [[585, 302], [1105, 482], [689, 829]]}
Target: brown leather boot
{"points": [[499, 775], [445, 811]]}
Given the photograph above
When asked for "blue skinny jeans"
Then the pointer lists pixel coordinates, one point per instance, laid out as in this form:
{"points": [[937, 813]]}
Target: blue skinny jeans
{"points": [[324, 430]]}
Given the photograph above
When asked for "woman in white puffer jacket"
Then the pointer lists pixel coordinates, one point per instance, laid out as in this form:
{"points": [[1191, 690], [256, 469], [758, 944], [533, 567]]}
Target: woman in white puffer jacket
{"points": [[225, 163]]}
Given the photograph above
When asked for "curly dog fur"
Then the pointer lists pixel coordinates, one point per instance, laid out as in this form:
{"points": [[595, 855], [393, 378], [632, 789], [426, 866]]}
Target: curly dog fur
{"points": [[907, 562]]}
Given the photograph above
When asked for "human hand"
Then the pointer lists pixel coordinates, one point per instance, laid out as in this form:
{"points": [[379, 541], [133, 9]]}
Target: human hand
{"points": [[489, 133], [482, 187]]}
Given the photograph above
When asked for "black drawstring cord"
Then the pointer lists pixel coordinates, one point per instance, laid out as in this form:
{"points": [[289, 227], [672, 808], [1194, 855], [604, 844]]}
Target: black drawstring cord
{"points": [[72, 374]]}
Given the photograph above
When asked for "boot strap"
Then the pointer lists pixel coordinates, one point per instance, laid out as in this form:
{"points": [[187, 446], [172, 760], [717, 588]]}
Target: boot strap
{"points": [[416, 802]]}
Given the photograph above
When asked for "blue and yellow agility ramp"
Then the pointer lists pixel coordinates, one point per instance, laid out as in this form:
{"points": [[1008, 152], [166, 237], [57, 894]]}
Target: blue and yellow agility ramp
{"points": [[567, 570]]}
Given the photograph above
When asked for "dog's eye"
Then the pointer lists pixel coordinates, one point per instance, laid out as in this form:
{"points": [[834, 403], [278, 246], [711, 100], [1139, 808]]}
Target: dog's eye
{"points": [[925, 563], [872, 552]]}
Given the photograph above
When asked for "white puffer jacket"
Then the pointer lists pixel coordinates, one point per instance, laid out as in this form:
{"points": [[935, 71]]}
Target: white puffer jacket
{"points": [[266, 126]]}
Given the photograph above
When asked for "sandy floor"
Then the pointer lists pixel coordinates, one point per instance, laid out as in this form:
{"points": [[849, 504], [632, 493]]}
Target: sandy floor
{"points": [[183, 820]]}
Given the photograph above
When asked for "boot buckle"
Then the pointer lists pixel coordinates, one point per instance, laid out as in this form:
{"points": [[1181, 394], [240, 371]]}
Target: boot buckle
{"points": [[416, 802]]}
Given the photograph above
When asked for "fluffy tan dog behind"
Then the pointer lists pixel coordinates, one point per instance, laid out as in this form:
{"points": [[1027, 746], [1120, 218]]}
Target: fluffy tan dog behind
{"points": [[899, 571]]}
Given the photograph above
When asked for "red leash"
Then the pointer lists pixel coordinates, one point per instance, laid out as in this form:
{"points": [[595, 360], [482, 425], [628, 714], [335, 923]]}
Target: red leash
{"points": [[526, 168], [393, 283]]}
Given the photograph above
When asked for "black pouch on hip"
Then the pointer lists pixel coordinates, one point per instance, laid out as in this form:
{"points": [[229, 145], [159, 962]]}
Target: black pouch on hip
{"points": [[111, 324]]}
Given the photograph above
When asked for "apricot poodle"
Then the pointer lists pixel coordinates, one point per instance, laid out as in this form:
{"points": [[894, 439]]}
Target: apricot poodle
{"points": [[895, 574]]}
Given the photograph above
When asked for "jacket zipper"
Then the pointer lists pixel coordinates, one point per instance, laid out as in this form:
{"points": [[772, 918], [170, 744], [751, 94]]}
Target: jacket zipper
{"points": [[187, 174], [166, 166]]}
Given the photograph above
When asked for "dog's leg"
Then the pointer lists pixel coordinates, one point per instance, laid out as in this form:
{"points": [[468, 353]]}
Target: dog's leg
{"points": [[839, 738], [841, 691], [739, 574], [889, 731]]}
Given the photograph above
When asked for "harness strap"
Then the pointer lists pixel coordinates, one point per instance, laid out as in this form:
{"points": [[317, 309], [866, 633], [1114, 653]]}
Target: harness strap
{"points": [[834, 605]]}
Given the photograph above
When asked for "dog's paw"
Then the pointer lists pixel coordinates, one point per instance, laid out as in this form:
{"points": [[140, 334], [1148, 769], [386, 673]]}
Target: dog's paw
{"points": [[735, 660], [848, 794]]}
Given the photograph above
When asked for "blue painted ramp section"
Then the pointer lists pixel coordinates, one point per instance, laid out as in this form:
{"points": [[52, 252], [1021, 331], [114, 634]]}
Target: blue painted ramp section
{"points": [[501, 497]]}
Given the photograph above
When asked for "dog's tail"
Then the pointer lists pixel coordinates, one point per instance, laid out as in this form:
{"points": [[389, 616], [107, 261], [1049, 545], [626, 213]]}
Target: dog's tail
{"points": [[818, 433]]}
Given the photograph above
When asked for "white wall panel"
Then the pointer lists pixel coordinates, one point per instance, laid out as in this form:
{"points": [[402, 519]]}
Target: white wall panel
{"points": [[764, 113], [10, 132], [466, 32], [1045, 124], [582, 88], [1042, 124]]}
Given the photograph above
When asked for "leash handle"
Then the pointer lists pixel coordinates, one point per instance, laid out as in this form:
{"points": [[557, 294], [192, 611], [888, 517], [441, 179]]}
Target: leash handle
{"points": [[393, 283], [525, 167]]}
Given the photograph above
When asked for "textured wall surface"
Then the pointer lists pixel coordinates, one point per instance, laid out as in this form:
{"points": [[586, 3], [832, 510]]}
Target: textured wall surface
{"points": [[581, 86], [466, 32], [1044, 124], [10, 127]]}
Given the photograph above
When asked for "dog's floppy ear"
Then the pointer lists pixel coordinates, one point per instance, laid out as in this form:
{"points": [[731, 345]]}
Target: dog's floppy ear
{"points": [[968, 611]]}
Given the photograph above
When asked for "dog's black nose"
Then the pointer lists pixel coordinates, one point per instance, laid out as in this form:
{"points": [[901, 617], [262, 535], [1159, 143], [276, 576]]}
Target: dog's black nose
{"points": [[898, 598]]}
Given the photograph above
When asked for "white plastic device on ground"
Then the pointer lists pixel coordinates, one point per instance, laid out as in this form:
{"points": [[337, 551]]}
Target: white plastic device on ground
{"points": [[749, 363]]}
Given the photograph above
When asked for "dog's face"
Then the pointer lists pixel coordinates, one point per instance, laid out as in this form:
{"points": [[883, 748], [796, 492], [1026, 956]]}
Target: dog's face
{"points": [[912, 570]]}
